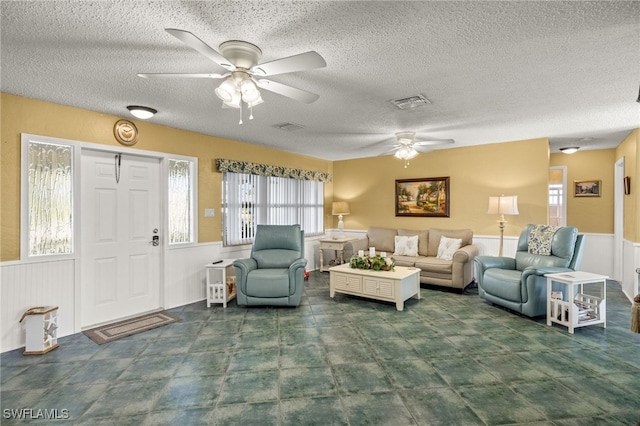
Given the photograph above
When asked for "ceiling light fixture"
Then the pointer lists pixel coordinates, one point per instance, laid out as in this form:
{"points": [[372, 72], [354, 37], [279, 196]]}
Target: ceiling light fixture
{"points": [[238, 88], [406, 153], [569, 149], [141, 112]]}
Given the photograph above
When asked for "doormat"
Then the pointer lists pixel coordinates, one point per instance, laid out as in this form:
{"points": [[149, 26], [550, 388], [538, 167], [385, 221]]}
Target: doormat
{"points": [[120, 329]]}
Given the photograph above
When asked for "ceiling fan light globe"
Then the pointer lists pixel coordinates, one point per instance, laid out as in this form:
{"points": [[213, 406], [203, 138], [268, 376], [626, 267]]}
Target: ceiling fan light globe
{"points": [[249, 92], [256, 102], [226, 90], [235, 100]]}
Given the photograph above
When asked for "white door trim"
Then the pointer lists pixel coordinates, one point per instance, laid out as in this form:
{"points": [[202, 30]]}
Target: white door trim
{"points": [[618, 221]]}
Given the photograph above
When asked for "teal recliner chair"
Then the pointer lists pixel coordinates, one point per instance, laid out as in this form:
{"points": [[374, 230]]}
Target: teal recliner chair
{"points": [[274, 274], [519, 283]]}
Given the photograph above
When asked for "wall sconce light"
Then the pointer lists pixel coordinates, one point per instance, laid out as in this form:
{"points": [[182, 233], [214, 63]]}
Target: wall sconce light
{"points": [[503, 205], [141, 112]]}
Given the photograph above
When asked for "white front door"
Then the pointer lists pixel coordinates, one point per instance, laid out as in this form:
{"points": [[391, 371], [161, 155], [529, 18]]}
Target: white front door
{"points": [[120, 212]]}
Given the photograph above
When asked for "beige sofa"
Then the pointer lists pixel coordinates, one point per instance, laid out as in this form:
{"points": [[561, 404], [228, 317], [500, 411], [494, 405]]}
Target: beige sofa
{"points": [[456, 273]]}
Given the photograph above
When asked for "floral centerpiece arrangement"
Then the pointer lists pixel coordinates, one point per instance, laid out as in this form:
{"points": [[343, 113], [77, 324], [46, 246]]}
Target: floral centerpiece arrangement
{"points": [[377, 262]]}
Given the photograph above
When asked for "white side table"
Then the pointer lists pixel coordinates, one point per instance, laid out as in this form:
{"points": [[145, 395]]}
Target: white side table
{"points": [[221, 282], [574, 308], [41, 324], [337, 245]]}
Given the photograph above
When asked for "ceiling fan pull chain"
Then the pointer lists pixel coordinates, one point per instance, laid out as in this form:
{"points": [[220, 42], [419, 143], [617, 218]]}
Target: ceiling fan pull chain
{"points": [[240, 122], [250, 112]]}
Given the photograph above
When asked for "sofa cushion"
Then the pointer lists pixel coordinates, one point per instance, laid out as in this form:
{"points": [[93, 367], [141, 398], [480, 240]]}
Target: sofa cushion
{"points": [[447, 247], [433, 264], [406, 245], [407, 261], [503, 283], [434, 238], [423, 239], [383, 239]]}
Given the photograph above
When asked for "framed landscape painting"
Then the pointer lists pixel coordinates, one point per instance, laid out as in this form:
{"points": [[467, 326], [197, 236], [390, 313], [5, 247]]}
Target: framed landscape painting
{"points": [[423, 197], [587, 188]]}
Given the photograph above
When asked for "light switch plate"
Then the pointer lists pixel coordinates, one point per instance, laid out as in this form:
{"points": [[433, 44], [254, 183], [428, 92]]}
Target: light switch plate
{"points": [[209, 212]]}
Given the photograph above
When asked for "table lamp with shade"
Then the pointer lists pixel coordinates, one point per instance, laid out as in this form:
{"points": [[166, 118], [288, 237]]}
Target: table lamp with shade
{"points": [[340, 209], [503, 205]]}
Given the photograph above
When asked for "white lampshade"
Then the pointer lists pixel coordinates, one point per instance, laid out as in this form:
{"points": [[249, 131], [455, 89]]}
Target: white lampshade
{"points": [[504, 204], [340, 208]]}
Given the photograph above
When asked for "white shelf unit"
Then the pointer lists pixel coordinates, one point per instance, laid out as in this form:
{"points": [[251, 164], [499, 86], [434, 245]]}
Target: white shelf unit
{"points": [[572, 307], [41, 325], [220, 282]]}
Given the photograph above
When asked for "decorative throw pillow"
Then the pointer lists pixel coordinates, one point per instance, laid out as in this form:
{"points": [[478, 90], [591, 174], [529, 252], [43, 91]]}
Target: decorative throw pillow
{"points": [[447, 247], [540, 239], [406, 245]]}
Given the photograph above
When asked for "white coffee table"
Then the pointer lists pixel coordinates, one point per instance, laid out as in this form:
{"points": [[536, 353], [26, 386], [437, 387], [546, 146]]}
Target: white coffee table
{"points": [[391, 286]]}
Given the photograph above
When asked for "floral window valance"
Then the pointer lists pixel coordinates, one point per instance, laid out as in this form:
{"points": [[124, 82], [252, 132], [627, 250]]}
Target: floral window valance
{"points": [[234, 166]]}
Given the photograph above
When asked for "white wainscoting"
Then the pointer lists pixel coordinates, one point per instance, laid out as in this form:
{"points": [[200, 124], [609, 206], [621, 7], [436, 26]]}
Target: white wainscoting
{"points": [[29, 284], [631, 261], [53, 282]]}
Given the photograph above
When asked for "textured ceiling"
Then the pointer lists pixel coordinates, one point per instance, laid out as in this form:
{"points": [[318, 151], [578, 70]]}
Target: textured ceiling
{"points": [[494, 71]]}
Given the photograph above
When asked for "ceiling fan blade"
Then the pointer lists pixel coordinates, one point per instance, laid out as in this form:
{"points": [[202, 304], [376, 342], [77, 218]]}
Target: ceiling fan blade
{"points": [[433, 142], [300, 62], [195, 43], [288, 91], [423, 148], [180, 75]]}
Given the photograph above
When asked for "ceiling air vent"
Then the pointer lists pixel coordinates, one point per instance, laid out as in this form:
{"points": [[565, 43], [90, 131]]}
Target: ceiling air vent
{"points": [[411, 102], [289, 127]]}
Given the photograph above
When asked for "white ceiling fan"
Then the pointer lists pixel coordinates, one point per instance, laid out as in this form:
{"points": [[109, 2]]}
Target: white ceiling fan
{"points": [[244, 74], [407, 147]]}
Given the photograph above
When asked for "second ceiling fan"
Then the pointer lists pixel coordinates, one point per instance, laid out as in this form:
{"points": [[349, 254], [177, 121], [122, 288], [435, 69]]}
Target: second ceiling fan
{"points": [[407, 147], [243, 73]]}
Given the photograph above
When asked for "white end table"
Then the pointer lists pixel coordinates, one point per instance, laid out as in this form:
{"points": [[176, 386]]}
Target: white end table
{"points": [[218, 277], [337, 245], [579, 309]]}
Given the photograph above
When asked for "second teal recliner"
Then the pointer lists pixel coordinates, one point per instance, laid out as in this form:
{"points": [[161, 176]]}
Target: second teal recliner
{"points": [[519, 283], [274, 274]]}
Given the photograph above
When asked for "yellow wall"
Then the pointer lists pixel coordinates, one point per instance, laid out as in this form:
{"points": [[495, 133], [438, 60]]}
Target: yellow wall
{"points": [[630, 150], [23, 115], [513, 168], [589, 214], [476, 173]]}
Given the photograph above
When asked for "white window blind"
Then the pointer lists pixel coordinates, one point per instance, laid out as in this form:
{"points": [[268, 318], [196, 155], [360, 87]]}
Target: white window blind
{"points": [[249, 200]]}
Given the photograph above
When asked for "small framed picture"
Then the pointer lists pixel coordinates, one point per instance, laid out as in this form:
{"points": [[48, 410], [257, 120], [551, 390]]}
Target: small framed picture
{"points": [[586, 188]]}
